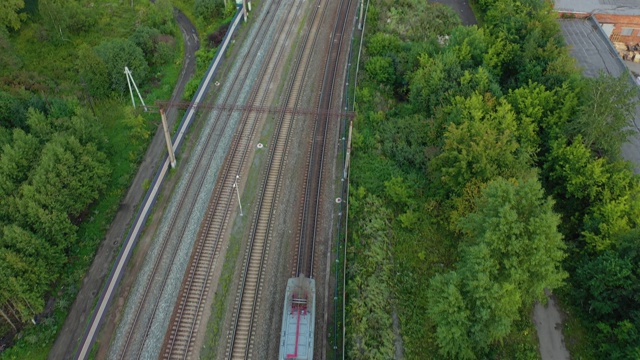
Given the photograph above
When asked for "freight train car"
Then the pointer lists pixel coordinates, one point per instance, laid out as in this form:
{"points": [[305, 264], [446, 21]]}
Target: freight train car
{"points": [[298, 319]]}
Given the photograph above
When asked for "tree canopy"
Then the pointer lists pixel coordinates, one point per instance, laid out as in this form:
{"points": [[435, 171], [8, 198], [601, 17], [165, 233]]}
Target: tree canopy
{"points": [[48, 177], [510, 253], [10, 16], [118, 53]]}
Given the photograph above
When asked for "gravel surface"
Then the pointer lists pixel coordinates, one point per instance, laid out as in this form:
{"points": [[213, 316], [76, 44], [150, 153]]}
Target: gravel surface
{"points": [[279, 266], [188, 220]]}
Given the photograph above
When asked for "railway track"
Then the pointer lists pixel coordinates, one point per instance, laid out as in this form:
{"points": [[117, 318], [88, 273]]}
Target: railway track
{"points": [[138, 332], [309, 216], [239, 344], [186, 318]]}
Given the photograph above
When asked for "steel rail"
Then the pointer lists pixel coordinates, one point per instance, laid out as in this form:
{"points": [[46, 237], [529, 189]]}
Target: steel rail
{"points": [[239, 345], [219, 127]]}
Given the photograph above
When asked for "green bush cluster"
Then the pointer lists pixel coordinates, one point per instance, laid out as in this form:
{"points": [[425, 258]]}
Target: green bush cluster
{"points": [[514, 161], [68, 145], [49, 175]]}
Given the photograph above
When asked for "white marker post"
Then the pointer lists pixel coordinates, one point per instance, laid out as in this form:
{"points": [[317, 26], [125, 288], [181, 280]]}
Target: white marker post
{"points": [[235, 185]]}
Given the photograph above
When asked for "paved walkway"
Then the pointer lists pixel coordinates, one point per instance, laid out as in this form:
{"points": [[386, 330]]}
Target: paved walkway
{"points": [[463, 9], [548, 321]]}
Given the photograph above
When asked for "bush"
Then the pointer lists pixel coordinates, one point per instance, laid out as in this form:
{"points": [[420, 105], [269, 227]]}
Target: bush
{"points": [[118, 53]]}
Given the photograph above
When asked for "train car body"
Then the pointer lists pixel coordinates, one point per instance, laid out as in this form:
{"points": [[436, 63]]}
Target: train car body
{"points": [[298, 320]]}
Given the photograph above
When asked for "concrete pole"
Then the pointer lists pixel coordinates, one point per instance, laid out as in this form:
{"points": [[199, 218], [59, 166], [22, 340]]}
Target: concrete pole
{"points": [[167, 137], [244, 9], [136, 87], [361, 13], [126, 73]]}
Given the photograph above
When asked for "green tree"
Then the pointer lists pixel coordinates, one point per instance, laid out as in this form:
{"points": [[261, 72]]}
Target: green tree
{"points": [[382, 44], [598, 197], [11, 111], [139, 131], [381, 70], [51, 224], [208, 9], [470, 43], [9, 59], [435, 78], [370, 324], [406, 140], [10, 15], [16, 161], [93, 72], [448, 309], [76, 121], [31, 264], [532, 104], [40, 126], [68, 177], [160, 16], [480, 144], [165, 52], [527, 44], [62, 18], [519, 226], [608, 285], [511, 252], [118, 53], [145, 38], [604, 116]]}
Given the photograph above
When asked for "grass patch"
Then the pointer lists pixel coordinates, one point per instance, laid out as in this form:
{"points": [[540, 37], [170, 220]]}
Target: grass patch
{"points": [[414, 266], [221, 300]]}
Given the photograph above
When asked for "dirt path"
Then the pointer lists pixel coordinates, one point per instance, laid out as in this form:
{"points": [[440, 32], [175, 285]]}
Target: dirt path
{"points": [[548, 321], [74, 326], [462, 8]]}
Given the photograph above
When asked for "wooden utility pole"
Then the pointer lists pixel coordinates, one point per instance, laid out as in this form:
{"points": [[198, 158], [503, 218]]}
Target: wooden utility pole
{"points": [[167, 137]]}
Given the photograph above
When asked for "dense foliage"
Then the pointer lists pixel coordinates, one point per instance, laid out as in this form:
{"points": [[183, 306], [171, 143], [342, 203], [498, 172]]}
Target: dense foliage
{"points": [[68, 145], [49, 174], [510, 253], [500, 168]]}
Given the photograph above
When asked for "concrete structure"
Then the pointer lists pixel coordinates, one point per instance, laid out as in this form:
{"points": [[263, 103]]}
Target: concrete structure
{"points": [[620, 7], [619, 19], [590, 47]]}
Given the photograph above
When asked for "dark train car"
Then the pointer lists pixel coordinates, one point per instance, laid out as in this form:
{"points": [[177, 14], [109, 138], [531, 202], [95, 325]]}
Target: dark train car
{"points": [[298, 319]]}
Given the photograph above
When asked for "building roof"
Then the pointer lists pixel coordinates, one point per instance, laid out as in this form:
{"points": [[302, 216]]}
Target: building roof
{"points": [[594, 53], [589, 46], [621, 7]]}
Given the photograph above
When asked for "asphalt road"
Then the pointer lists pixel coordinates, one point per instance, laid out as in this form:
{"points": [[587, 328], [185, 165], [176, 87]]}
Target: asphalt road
{"points": [[548, 320], [74, 327], [462, 8]]}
